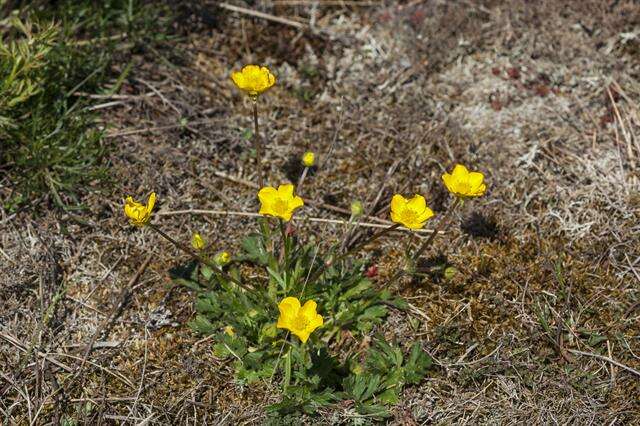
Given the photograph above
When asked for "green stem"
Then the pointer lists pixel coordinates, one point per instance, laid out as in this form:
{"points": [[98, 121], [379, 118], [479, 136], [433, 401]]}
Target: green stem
{"points": [[353, 250], [257, 144], [427, 243], [301, 180], [438, 228], [199, 258], [287, 370]]}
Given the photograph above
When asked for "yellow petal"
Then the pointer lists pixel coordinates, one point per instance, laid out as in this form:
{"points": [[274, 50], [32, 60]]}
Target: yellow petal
{"points": [[460, 171], [316, 322], [475, 180], [151, 202], [395, 217], [238, 79], [285, 191], [425, 215], [398, 203], [289, 306], [303, 335], [417, 204], [309, 310], [295, 203], [449, 182]]}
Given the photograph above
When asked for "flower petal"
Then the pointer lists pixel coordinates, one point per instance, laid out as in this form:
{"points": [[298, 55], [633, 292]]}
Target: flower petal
{"points": [[316, 322], [295, 203], [288, 308], [308, 310], [425, 215], [151, 202], [417, 203], [285, 191], [303, 335], [449, 182], [398, 203], [459, 171], [475, 180]]}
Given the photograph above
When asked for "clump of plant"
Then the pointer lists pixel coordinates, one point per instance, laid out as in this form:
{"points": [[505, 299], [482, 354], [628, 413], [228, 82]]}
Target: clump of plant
{"points": [[301, 316], [49, 143]]}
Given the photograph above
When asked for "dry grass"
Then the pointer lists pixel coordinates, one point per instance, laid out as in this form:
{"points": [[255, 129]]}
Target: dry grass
{"points": [[544, 100]]}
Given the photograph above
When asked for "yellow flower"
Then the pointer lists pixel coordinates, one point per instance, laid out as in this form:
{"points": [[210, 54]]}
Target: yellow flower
{"points": [[139, 214], [463, 183], [299, 320], [253, 79], [222, 258], [279, 202], [230, 331], [412, 213], [197, 242], [309, 159]]}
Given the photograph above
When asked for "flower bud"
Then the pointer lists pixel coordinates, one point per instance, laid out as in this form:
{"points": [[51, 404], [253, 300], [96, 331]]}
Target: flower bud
{"points": [[309, 159], [357, 209], [222, 258], [197, 242]]}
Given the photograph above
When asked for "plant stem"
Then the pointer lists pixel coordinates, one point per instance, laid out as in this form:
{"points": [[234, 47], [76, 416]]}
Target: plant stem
{"points": [[301, 180], [438, 228], [287, 370], [285, 256], [257, 144], [354, 250], [199, 258], [426, 244]]}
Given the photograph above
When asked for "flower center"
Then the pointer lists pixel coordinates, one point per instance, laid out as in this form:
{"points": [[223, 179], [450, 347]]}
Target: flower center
{"points": [[280, 206], [300, 322], [464, 187], [409, 216]]}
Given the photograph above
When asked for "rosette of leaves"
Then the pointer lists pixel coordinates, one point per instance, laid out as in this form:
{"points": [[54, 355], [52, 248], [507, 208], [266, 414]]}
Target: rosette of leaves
{"points": [[243, 326]]}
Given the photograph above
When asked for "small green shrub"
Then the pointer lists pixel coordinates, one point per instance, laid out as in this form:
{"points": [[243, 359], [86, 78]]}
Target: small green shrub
{"points": [[48, 135]]}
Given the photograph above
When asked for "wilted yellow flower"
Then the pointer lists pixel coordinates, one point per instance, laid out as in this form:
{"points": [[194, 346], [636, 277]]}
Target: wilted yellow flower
{"points": [[279, 202], [463, 183], [139, 214], [230, 331], [299, 320], [253, 79], [412, 213], [197, 242], [356, 208], [308, 159], [222, 258]]}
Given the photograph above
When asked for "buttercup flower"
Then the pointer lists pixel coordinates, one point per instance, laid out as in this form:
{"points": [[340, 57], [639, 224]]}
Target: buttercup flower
{"points": [[230, 331], [139, 214], [412, 213], [279, 202], [222, 258], [299, 320], [197, 242], [309, 159], [253, 79], [463, 183]]}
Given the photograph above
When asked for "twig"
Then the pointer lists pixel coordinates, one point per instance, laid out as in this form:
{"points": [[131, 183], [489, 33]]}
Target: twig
{"points": [[263, 15], [606, 358], [124, 294], [314, 203], [310, 219]]}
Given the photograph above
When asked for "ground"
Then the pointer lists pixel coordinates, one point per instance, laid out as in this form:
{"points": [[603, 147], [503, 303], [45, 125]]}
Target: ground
{"points": [[539, 323]]}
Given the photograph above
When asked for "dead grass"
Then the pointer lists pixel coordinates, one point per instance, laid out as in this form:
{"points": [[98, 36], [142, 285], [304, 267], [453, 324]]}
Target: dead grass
{"points": [[543, 100]]}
